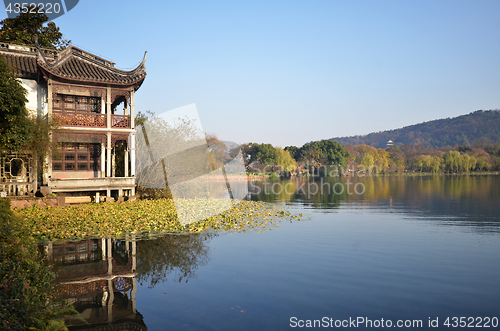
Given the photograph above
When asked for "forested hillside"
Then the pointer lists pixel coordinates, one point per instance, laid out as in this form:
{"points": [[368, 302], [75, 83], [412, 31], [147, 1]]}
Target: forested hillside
{"points": [[479, 128]]}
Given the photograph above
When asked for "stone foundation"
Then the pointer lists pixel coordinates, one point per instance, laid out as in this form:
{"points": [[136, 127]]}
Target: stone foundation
{"points": [[21, 203], [59, 201]]}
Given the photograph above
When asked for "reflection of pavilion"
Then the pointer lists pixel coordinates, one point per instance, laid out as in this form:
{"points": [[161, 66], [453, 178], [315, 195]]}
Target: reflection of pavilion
{"points": [[98, 277]]}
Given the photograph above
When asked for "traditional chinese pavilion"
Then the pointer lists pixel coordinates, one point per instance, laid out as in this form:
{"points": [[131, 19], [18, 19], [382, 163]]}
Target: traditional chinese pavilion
{"points": [[92, 103]]}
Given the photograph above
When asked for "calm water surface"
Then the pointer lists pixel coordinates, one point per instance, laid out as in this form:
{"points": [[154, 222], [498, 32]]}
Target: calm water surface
{"points": [[407, 248]]}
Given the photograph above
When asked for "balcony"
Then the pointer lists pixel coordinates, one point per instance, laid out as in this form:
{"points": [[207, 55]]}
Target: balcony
{"points": [[120, 121], [81, 120], [91, 120]]}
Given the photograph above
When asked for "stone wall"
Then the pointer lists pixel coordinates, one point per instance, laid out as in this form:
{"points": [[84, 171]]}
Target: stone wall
{"points": [[21, 203], [59, 201]]}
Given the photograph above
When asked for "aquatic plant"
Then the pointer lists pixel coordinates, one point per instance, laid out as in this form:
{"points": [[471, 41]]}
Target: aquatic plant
{"points": [[145, 218]]}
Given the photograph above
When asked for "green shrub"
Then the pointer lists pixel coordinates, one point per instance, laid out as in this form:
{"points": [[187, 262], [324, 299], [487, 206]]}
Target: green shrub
{"points": [[26, 290]]}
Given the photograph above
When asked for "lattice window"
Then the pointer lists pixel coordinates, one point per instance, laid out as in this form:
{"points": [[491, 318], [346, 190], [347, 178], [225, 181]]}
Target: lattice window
{"points": [[77, 157], [71, 110], [15, 166], [72, 104]]}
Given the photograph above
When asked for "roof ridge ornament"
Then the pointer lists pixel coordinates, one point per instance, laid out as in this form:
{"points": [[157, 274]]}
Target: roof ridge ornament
{"points": [[75, 64], [39, 54]]}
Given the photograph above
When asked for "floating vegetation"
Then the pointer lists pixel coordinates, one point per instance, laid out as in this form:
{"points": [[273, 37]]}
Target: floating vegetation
{"points": [[145, 218]]}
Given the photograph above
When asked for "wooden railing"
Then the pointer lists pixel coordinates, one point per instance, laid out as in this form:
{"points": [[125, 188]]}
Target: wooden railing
{"points": [[85, 120], [91, 120], [120, 121]]}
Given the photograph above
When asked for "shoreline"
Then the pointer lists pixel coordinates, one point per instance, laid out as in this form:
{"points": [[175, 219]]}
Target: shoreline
{"points": [[384, 174], [20, 203]]}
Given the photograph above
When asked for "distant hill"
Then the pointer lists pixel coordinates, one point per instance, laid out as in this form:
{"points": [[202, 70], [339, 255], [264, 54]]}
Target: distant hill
{"points": [[479, 127]]}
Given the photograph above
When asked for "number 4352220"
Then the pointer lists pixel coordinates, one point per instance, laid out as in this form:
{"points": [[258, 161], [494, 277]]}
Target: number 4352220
{"points": [[471, 322], [33, 8]]}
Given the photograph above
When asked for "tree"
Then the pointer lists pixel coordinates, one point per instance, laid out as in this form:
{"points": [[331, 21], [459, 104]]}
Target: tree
{"points": [[483, 163], [23, 29], [311, 156], [482, 142], [264, 153], [285, 160], [294, 151], [382, 161], [418, 162], [218, 150], [327, 152], [15, 126], [28, 299], [247, 152], [396, 158], [468, 163], [367, 161], [436, 163], [493, 150], [452, 161], [464, 149], [20, 130], [408, 151]]}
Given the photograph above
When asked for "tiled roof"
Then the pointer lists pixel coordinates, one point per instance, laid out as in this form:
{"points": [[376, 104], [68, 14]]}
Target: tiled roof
{"points": [[24, 65], [76, 64], [71, 63]]}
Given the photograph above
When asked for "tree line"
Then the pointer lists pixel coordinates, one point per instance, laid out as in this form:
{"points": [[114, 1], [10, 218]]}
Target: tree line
{"points": [[326, 154], [416, 158], [291, 159]]}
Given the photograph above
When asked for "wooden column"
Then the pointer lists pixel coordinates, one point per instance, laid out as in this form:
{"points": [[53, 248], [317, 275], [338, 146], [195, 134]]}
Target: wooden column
{"points": [[127, 151], [132, 135], [113, 161], [48, 158], [103, 160], [108, 150], [108, 107], [132, 154], [108, 126], [103, 105]]}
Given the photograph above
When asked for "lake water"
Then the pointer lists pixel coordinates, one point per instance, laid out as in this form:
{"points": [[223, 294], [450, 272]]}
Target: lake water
{"points": [[372, 250]]}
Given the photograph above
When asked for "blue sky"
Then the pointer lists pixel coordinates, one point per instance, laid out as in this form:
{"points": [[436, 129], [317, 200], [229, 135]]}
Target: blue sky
{"points": [[289, 72]]}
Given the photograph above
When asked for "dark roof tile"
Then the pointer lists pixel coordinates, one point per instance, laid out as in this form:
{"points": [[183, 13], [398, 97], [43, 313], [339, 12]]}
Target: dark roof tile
{"points": [[71, 63], [76, 65], [24, 66]]}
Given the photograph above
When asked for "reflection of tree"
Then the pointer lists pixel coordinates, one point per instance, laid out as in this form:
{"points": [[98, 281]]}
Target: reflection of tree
{"points": [[180, 255], [474, 197], [326, 192]]}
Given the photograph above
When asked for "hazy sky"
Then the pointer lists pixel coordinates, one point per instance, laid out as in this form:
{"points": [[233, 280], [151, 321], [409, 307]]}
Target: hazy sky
{"points": [[289, 72]]}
